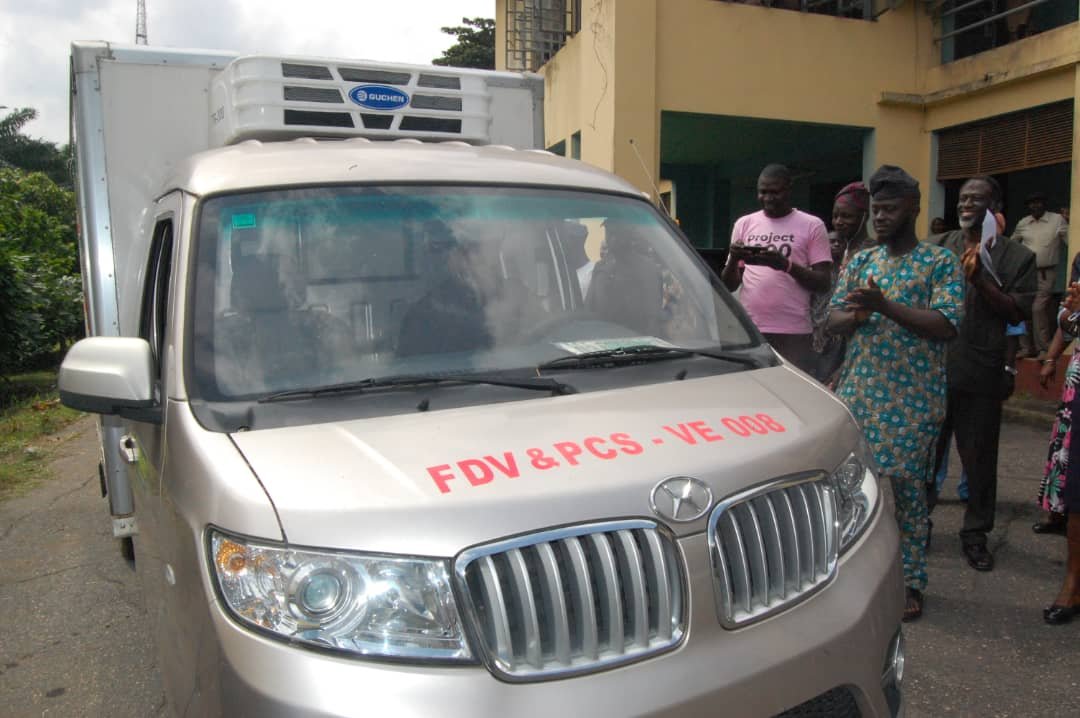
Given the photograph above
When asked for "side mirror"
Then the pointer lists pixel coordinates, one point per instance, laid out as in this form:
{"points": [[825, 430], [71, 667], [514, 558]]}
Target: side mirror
{"points": [[110, 375]]}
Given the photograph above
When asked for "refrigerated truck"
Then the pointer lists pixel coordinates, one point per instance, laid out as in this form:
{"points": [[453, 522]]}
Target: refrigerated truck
{"points": [[400, 412]]}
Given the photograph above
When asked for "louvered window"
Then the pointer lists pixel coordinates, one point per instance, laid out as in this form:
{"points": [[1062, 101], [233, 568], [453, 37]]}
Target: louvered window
{"points": [[1008, 143]]}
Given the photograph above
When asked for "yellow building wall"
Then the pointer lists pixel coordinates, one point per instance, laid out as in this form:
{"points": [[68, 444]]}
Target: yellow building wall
{"points": [[500, 35], [748, 61], [579, 87], [1074, 199], [1056, 49], [1011, 97], [634, 59], [636, 142]]}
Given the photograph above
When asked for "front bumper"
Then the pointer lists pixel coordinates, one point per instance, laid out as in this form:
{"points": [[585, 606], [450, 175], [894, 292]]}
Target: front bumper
{"points": [[838, 638]]}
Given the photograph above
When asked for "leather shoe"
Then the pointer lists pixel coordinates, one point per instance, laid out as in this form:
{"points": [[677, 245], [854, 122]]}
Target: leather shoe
{"points": [[1049, 527], [979, 557], [1056, 615]]}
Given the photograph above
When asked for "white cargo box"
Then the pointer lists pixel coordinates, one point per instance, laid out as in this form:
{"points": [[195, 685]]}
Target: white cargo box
{"points": [[266, 98]]}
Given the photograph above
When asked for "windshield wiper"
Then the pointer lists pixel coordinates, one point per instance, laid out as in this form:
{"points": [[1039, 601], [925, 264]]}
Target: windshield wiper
{"points": [[556, 388], [643, 353]]}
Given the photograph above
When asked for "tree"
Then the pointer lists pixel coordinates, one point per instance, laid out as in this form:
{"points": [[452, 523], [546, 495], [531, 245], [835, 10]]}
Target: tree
{"points": [[40, 290], [19, 324], [475, 46], [32, 155]]}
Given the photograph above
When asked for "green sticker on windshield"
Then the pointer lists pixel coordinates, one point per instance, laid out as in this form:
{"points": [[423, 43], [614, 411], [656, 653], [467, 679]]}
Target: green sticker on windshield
{"points": [[243, 221]]}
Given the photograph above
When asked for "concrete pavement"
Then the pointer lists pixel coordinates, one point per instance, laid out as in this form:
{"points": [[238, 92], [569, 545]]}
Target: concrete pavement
{"points": [[981, 648], [75, 641]]}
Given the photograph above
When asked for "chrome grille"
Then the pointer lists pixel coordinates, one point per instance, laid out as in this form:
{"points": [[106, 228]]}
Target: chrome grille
{"points": [[574, 600], [772, 547]]}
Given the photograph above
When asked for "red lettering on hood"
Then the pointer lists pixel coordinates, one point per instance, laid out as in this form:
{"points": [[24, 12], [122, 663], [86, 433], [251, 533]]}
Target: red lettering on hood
{"points": [[440, 475], [505, 464], [569, 450], [681, 431], [508, 469], [627, 445], [705, 431], [593, 443], [477, 472]]}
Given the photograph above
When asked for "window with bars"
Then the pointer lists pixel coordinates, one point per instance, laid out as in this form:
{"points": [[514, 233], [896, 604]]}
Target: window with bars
{"points": [[854, 9], [968, 27], [1007, 143], [537, 29]]}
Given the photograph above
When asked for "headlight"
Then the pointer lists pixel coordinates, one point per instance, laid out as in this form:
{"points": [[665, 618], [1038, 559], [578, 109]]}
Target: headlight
{"points": [[856, 494], [370, 605]]}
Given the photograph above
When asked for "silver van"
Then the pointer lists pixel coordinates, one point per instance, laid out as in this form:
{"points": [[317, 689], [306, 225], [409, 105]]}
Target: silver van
{"points": [[451, 430]]}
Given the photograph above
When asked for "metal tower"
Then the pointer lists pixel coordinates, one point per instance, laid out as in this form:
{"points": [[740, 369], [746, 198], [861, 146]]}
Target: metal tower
{"points": [[140, 23]]}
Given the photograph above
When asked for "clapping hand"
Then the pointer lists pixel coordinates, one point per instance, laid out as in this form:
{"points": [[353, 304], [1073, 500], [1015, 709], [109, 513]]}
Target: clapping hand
{"points": [[866, 300], [970, 262]]}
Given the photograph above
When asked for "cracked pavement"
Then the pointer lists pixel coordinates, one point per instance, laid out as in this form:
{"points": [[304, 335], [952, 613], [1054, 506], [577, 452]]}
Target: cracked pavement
{"points": [[75, 640]]}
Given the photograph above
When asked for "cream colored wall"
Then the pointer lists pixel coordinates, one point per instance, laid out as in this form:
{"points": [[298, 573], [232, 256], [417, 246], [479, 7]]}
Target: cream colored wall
{"points": [[743, 60], [636, 58], [636, 146], [1031, 92], [1055, 49], [500, 34], [1074, 199], [579, 87]]}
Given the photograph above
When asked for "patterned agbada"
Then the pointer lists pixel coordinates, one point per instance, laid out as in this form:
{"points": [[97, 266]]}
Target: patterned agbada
{"points": [[894, 380]]}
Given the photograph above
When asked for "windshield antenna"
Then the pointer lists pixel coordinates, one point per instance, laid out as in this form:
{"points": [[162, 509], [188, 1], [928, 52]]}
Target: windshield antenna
{"points": [[648, 174]]}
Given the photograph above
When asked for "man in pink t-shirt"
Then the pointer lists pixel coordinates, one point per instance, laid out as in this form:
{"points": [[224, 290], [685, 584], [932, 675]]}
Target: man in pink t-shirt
{"points": [[780, 256]]}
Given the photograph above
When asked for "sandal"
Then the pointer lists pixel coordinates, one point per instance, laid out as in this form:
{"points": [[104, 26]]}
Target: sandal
{"points": [[913, 604]]}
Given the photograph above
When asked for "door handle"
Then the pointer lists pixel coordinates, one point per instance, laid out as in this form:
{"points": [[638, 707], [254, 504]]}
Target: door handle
{"points": [[129, 450]]}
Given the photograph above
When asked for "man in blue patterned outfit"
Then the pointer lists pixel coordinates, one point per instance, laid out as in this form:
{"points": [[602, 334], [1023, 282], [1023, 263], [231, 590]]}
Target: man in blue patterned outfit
{"points": [[899, 303]]}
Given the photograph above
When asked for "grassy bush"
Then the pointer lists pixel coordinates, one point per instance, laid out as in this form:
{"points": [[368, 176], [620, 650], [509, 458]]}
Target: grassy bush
{"points": [[29, 411]]}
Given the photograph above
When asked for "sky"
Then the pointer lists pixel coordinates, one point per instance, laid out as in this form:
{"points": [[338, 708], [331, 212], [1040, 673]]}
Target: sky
{"points": [[36, 35]]}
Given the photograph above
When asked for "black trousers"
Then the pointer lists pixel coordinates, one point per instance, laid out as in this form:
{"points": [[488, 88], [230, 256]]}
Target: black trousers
{"points": [[975, 421], [796, 348]]}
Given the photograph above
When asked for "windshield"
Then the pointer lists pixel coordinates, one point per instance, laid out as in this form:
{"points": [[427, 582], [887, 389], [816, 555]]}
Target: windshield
{"points": [[311, 287]]}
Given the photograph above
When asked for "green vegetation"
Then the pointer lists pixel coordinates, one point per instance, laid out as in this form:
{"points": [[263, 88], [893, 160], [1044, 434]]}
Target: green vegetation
{"points": [[475, 46], [29, 411], [40, 290], [31, 154]]}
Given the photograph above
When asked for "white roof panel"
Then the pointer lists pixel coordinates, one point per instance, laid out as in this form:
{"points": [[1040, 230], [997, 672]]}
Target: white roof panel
{"points": [[257, 165]]}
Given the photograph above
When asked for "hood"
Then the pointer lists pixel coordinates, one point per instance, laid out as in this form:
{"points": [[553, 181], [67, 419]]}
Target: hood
{"points": [[432, 484]]}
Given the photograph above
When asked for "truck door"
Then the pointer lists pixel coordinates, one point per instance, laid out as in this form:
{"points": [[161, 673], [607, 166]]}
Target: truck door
{"points": [[143, 445]]}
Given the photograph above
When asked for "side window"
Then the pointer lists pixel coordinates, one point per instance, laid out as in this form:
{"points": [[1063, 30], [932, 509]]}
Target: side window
{"points": [[156, 291]]}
